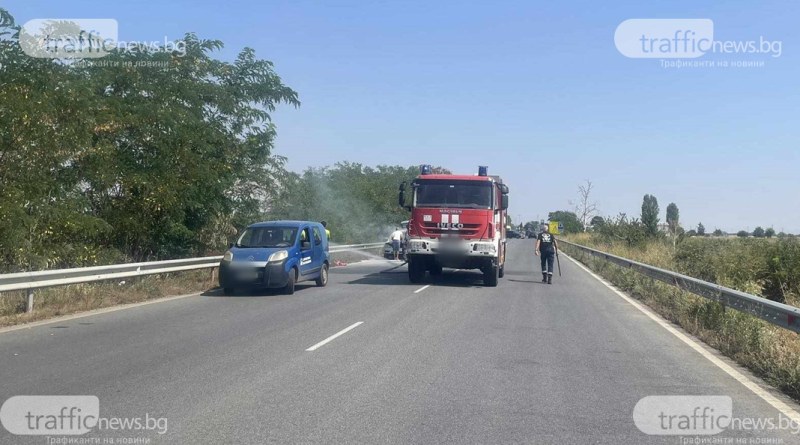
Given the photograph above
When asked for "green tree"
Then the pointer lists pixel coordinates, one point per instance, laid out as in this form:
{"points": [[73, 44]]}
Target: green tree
{"points": [[45, 108], [691, 232], [597, 221], [650, 214], [531, 226], [759, 232], [673, 218], [569, 219], [769, 232], [717, 232], [200, 154], [149, 154], [701, 229], [743, 234]]}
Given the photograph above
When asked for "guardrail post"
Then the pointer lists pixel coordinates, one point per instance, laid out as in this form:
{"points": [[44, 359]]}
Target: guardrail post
{"points": [[29, 307], [213, 276]]}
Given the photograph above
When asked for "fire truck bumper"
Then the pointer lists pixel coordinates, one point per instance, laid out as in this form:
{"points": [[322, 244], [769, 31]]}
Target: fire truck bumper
{"points": [[452, 247]]}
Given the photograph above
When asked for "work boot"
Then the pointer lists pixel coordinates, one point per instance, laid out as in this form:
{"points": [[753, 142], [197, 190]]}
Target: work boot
{"points": [[549, 279], [544, 277]]}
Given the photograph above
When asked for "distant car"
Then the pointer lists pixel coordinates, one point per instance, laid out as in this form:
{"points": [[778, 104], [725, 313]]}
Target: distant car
{"points": [[512, 234], [388, 250], [276, 254]]}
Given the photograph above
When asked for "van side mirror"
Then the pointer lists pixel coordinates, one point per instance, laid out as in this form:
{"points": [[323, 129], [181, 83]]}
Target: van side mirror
{"points": [[504, 202]]}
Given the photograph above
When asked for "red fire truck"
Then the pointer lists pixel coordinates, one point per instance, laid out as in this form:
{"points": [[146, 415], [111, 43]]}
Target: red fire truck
{"points": [[457, 221]]}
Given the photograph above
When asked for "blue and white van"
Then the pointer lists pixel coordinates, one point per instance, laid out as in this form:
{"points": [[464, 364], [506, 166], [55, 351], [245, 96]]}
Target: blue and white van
{"points": [[276, 254]]}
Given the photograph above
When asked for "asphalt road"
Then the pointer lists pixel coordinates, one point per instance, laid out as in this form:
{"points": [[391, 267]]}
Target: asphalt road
{"points": [[454, 362]]}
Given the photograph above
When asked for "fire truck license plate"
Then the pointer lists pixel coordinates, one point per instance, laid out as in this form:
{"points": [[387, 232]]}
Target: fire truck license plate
{"points": [[453, 246]]}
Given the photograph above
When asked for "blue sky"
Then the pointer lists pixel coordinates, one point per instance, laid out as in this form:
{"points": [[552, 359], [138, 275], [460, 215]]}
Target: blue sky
{"points": [[535, 90]]}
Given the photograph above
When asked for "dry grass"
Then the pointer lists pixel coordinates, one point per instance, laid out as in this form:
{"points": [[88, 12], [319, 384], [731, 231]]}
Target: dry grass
{"points": [[769, 351], [64, 300]]}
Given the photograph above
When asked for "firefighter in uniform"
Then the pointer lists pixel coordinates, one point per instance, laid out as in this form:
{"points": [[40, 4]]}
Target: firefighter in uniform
{"points": [[546, 246], [325, 226]]}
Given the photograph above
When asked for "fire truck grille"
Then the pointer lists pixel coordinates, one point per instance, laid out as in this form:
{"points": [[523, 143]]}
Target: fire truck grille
{"points": [[432, 229]]}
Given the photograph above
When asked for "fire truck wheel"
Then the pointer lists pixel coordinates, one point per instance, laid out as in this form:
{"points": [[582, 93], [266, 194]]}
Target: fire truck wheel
{"points": [[502, 271], [435, 269], [490, 276], [416, 271]]}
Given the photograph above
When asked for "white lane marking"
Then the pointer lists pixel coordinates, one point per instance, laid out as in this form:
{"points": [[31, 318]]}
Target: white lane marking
{"points": [[89, 313], [422, 289], [776, 403], [332, 337]]}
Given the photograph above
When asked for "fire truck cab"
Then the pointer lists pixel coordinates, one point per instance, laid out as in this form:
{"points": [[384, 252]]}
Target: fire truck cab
{"points": [[457, 221]]}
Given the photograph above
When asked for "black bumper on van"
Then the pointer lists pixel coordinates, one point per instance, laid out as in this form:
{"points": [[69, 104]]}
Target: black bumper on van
{"points": [[251, 277]]}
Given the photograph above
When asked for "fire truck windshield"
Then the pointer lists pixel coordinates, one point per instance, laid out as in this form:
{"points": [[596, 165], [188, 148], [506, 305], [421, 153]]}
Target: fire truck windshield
{"points": [[456, 194]]}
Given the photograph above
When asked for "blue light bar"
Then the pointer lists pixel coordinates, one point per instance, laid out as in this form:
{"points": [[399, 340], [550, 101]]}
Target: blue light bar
{"points": [[483, 170], [425, 169]]}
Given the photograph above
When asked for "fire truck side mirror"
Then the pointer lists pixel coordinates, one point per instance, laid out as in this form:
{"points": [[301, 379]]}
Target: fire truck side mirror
{"points": [[504, 202], [401, 197]]}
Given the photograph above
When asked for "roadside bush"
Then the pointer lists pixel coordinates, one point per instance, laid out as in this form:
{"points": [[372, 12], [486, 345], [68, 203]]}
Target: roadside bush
{"points": [[630, 231], [781, 273]]}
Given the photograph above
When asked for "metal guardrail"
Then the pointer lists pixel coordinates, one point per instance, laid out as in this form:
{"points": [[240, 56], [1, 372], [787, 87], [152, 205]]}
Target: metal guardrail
{"points": [[345, 247], [773, 312], [31, 281]]}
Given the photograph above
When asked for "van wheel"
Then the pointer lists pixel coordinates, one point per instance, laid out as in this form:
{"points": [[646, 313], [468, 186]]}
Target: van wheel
{"points": [[289, 288], [322, 280], [502, 271], [436, 270]]}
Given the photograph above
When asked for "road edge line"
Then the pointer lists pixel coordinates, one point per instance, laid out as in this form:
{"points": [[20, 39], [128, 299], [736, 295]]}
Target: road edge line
{"points": [[730, 369], [89, 313]]}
